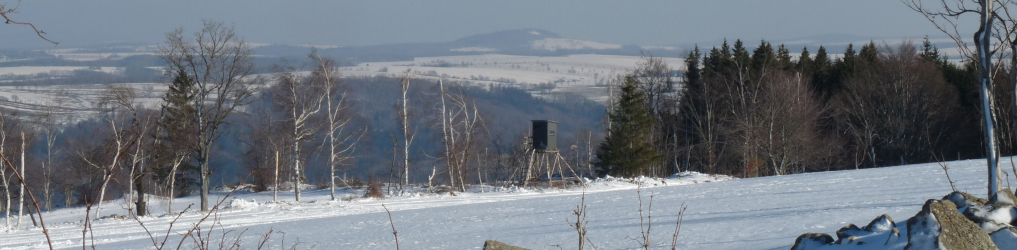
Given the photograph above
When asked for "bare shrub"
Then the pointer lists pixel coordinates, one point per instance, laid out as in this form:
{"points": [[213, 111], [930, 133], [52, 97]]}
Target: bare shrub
{"points": [[374, 189], [580, 224]]}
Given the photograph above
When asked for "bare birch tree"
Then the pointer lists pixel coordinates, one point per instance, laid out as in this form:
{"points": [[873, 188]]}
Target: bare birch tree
{"points": [[460, 122], [21, 188], [303, 99], [117, 102], [4, 125], [52, 128], [404, 119], [220, 64], [945, 15], [341, 137]]}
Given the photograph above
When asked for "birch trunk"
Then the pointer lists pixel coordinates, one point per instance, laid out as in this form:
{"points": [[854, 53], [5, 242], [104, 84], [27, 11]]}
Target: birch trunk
{"points": [[982, 42], [3, 175], [172, 182], [21, 188], [275, 189], [407, 137]]}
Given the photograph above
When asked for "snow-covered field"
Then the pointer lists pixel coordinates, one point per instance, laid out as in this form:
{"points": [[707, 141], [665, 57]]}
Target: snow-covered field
{"points": [[756, 213], [581, 74], [52, 70], [74, 101]]}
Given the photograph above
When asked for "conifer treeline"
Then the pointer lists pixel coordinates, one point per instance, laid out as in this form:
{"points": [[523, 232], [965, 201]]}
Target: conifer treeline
{"points": [[766, 112]]}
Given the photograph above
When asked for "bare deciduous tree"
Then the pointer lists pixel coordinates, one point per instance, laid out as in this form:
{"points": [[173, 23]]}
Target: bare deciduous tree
{"points": [[404, 119], [4, 126], [52, 127], [302, 99], [897, 109], [117, 103], [945, 15], [788, 113], [221, 66], [460, 123], [341, 137]]}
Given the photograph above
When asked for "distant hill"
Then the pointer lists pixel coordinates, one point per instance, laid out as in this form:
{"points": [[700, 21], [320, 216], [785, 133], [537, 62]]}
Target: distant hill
{"points": [[527, 42]]}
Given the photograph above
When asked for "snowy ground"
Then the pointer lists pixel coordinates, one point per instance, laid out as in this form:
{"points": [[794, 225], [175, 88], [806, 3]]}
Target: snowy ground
{"points": [[580, 74], [584, 75], [75, 102], [757, 213]]}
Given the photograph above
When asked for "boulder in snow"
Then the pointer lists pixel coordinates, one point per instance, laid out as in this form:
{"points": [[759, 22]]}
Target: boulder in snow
{"points": [[812, 241], [881, 224], [962, 199], [845, 233], [940, 226], [882, 231], [999, 213], [1005, 238], [1003, 197]]}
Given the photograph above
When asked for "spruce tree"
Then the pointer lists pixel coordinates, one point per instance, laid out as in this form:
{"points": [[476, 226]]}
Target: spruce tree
{"points": [[783, 58], [176, 127], [821, 73], [869, 53], [712, 62], [805, 61], [929, 51], [741, 55], [626, 150], [763, 56], [844, 68], [692, 71]]}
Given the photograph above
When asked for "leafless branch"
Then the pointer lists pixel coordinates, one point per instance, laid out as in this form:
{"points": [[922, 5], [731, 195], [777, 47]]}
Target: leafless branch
{"points": [[4, 12], [678, 227], [394, 233]]}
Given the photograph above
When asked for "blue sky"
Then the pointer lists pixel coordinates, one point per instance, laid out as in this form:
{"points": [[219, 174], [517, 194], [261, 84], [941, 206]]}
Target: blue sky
{"points": [[354, 22]]}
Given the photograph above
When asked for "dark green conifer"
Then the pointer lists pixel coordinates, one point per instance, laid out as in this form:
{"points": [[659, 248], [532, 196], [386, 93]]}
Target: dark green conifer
{"points": [[626, 151]]}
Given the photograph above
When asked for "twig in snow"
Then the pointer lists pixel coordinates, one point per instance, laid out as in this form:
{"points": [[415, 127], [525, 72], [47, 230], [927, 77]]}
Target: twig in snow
{"points": [[644, 225], [580, 224], [946, 170], [678, 227], [394, 233]]}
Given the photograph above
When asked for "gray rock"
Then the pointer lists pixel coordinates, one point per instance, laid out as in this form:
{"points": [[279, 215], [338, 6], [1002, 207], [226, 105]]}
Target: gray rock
{"points": [[939, 224], [962, 199], [495, 245], [812, 241], [1005, 238], [1003, 197], [845, 233], [881, 224], [997, 214]]}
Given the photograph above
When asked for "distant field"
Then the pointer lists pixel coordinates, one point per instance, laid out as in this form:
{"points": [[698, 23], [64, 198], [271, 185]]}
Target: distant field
{"points": [[579, 74], [584, 75]]}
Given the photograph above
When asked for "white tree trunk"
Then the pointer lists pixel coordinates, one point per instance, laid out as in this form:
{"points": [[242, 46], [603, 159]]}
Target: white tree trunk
{"points": [[7, 193], [447, 136], [3, 172], [172, 181], [275, 188], [21, 188], [982, 41], [296, 169], [407, 137]]}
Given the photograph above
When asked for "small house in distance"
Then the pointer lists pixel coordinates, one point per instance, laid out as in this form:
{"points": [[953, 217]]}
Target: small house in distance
{"points": [[545, 135]]}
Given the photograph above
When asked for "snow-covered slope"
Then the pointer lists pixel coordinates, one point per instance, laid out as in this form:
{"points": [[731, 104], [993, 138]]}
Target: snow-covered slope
{"points": [[757, 213]]}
